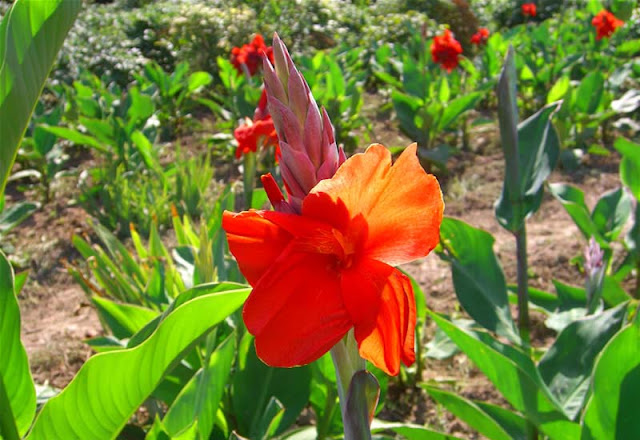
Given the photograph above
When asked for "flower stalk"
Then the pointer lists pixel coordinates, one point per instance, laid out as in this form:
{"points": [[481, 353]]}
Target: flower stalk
{"points": [[358, 390]]}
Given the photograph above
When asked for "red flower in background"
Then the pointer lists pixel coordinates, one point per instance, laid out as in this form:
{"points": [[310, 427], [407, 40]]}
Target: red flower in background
{"points": [[480, 37], [319, 274], [251, 55], [606, 24], [251, 134], [446, 50], [529, 9]]}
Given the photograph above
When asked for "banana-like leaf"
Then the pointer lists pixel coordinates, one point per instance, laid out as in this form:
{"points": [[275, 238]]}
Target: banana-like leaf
{"points": [[111, 386], [17, 392], [31, 35]]}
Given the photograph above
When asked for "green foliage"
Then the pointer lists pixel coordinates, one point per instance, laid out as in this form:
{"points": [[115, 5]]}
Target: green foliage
{"points": [[17, 393], [32, 34], [477, 276], [531, 151], [339, 88], [175, 94], [133, 374], [609, 413]]}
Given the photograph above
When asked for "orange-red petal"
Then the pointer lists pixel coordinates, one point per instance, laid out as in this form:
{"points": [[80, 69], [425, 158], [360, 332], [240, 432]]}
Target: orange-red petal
{"points": [[255, 241], [391, 340], [296, 311], [401, 204]]}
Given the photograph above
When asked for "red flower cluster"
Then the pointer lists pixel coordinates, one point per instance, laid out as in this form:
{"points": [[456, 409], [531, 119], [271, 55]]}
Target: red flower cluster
{"points": [[446, 50], [259, 131], [254, 133], [529, 9], [606, 24], [251, 55], [480, 37]]}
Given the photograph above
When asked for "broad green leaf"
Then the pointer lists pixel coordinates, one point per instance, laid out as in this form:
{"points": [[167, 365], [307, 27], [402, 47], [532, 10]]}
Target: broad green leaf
{"points": [[409, 431], [123, 319], [611, 213], [31, 34], [441, 346], [469, 412], [78, 138], [630, 165], [513, 423], [628, 48], [477, 276], [255, 383], [455, 108], [17, 392], [572, 198], [92, 407], [199, 399], [516, 377], [559, 89], [197, 80], [537, 154], [612, 409], [566, 367], [589, 93], [14, 215]]}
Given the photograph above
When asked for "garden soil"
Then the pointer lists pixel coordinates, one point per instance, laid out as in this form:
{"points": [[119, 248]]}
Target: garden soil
{"points": [[57, 316]]}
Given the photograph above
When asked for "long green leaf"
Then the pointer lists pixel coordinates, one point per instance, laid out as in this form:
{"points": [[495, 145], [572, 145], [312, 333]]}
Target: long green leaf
{"points": [[477, 276], [469, 412], [409, 431], [19, 392], [516, 377], [111, 386], [612, 411], [199, 399], [566, 367], [32, 34]]}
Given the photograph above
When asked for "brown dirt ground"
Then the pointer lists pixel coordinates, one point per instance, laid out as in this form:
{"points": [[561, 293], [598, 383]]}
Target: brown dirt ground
{"points": [[57, 316]]}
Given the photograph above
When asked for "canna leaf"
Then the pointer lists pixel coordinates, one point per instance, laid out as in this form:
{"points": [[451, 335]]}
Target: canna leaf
{"points": [[31, 34], [17, 392], [91, 407]]}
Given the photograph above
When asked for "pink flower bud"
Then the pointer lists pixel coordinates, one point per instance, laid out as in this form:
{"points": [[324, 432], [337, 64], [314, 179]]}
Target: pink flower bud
{"points": [[307, 143]]}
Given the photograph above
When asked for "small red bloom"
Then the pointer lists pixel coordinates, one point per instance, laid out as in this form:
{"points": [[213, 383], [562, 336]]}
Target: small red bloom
{"points": [[251, 134], [529, 9], [251, 55], [320, 273], [606, 24], [446, 50], [480, 37]]}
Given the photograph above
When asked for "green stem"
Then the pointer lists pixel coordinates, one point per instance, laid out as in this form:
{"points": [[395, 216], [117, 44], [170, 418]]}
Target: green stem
{"points": [[324, 422], [523, 294], [8, 429], [524, 325], [249, 177], [347, 362]]}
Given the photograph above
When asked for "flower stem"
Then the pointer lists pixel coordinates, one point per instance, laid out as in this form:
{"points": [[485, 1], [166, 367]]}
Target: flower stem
{"points": [[347, 362], [523, 293]]}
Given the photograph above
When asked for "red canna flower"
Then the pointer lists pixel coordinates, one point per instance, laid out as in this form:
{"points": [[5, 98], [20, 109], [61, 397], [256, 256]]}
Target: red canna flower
{"points": [[606, 24], [446, 50], [251, 134], [320, 273], [250, 55], [480, 37], [529, 9]]}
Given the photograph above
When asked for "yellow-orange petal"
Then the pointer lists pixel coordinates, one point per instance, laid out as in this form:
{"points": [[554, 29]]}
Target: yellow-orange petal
{"points": [[391, 340], [296, 312], [401, 204]]}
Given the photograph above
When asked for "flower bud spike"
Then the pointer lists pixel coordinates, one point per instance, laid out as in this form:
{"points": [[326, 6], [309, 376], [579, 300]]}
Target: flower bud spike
{"points": [[307, 144]]}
